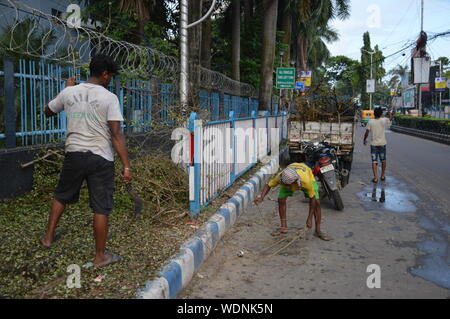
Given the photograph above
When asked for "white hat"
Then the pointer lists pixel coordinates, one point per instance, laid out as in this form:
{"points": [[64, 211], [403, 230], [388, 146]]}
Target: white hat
{"points": [[289, 176]]}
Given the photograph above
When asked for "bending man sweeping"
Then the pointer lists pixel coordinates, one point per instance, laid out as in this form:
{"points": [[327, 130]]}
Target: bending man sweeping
{"points": [[297, 176]]}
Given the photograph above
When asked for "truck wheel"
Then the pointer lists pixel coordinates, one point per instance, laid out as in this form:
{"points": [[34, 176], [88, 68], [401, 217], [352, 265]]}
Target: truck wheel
{"points": [[348, 166], [338, 204]]}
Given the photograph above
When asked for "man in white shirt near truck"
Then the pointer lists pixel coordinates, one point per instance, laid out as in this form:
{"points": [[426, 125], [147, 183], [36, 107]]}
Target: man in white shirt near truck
{"points": [[377, 128]]}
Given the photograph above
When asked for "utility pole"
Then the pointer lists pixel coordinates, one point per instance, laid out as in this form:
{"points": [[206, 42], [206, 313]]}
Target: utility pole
{"points": [[184, 26], [371, 76], [420, 85], [183, 53], [281, 64], [440, 75], [421, 18]]}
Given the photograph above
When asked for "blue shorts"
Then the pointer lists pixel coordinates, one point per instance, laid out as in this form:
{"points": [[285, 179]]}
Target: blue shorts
{"points": [[378, 151]]}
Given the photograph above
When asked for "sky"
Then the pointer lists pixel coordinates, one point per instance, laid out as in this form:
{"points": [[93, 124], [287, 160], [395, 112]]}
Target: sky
{"points": [[392, 24]]}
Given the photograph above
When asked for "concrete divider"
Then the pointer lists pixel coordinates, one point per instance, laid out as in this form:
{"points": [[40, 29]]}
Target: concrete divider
{"points": [[437, 137]]}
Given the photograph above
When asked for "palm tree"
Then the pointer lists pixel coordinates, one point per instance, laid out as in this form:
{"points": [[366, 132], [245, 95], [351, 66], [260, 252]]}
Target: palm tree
{"points": [[397, 75], [268, 53], [142, 10], [318, 51], [313, 14], [236, 39]]}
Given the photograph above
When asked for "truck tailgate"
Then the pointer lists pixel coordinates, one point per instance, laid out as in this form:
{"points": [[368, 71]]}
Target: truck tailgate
{"points": [[342, 134]]}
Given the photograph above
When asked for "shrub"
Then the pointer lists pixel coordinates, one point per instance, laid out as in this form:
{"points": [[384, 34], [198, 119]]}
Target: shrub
{"points": [[423, 123]]}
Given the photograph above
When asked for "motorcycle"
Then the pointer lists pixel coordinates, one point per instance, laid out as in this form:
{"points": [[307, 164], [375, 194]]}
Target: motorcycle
{"points": [[323, 160]]}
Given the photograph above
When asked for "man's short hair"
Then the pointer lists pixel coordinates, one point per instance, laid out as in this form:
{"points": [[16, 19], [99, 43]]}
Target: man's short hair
{"points": [[378, 112], [101, 63]]}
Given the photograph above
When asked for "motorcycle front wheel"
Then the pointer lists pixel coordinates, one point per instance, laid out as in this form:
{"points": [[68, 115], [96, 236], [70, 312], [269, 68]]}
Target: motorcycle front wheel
{"points": [[338, 204]]}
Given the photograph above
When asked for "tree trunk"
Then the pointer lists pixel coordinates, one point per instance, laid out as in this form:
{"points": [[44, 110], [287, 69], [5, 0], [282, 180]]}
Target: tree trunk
{"points": [[268, 54], [248, 11], [302, 58], [286, 27], [206, 40], [236, 40]]}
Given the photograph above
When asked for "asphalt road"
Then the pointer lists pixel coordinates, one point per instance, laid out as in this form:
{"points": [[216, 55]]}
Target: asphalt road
{"points": [[407, 235]]}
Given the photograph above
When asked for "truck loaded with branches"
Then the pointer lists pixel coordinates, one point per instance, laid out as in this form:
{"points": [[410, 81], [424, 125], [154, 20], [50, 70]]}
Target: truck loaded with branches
{"points": [[321, 121]]}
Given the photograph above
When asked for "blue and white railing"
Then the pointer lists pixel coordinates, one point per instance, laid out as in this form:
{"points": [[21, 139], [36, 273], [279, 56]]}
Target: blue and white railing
{"points": [[222, 151], [35, 83]]}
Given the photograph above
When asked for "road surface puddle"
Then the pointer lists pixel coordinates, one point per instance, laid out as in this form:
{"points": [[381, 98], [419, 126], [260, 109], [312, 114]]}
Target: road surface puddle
{"points": [[389, 195], [392, 195]]}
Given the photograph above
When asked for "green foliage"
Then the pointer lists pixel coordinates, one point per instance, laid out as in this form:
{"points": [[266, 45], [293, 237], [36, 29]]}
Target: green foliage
{"points": [[343, 74], [378, 72], [159, 32], [423, 123], [382, 94], [26, 36], [444, 60], [251, 46]]}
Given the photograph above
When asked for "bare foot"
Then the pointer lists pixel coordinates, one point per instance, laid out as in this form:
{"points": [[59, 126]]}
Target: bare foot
{"points": [[322, 235], [280, 231], [46, 242], [107, 259]]}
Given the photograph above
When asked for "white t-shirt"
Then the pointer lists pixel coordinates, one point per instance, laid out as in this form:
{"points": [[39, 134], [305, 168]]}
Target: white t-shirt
{"points": [[88, 107], [377, 128]]}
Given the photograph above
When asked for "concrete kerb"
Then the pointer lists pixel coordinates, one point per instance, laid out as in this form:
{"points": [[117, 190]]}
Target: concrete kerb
{"points": [[436, 137], [179, 270]]}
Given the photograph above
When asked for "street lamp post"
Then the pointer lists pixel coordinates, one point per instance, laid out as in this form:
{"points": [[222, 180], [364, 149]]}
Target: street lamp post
{"points": [[371, 63], [184, 26], [281, 64]]}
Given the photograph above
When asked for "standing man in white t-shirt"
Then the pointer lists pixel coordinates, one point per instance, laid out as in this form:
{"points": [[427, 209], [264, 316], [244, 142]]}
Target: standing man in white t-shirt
{"points": [[93, 130], [377, 128]]}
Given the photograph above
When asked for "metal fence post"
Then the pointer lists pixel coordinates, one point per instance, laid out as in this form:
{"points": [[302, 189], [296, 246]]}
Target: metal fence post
{"points": [[233, 147], [10, 110], [266, 114], [195, 129], [255, 137], [119, 93], [221, 105]]}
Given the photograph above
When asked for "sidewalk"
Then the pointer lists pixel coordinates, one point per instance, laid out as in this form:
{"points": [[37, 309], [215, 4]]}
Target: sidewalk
{"points": [[248, 262], [178, 271]]}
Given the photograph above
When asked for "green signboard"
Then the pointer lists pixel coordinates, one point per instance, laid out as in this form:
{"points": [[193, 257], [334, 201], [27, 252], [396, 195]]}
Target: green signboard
{"points": [[285, 78]]}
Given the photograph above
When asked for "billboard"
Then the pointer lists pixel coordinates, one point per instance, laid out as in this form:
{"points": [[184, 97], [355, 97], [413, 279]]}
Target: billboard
{"points": [[421, 70], [440, 84]]}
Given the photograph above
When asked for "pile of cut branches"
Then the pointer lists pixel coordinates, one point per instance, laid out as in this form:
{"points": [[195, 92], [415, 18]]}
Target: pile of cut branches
{"points": [[27, 270], [323, 105]]}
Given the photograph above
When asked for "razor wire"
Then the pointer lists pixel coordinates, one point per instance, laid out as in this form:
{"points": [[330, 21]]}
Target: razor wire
{"points": [[217, 81], [65, 43]]}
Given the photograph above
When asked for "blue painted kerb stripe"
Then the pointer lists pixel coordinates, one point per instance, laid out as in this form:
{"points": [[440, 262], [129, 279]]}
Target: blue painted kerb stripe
{"points": [[196, 246], [215, 232], [172, 273], [247, 189], [225, 212], [236, 203]]}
